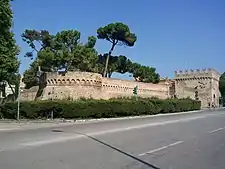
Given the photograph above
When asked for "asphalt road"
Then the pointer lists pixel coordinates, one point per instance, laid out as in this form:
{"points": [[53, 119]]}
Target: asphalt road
{"points": [[195, 140]]}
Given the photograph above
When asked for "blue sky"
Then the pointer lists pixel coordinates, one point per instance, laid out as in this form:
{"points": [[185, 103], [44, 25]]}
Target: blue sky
{"points": [[172, 34]]}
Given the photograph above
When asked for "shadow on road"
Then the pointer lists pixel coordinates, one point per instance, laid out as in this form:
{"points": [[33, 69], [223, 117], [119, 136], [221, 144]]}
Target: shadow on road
{"points": [[120, 151]]}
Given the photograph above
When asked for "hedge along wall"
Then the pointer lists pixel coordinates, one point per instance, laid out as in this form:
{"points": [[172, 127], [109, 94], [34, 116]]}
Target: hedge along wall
{"points": [[97, 108]]}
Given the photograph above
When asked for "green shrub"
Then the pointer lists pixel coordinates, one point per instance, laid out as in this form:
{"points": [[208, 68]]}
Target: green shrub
{"points": [[88, 108], [1, 115]]}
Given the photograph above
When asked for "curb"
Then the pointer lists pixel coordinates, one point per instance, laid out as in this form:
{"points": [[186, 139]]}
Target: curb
{"points": [[136, 117], [64, 123], [143, 116], [23, 127]]}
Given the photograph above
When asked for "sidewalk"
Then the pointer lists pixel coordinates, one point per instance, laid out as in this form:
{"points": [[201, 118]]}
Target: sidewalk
{"points": [[7, 125]]}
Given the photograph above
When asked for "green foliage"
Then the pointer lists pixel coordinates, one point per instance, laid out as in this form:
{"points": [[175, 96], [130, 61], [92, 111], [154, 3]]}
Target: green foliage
{"points": [[33, 37], [9, 63], [65, 51], [97, 108], [119, 64], [222, 85], [84, 58], [29, 76], [116, 33], [144, 73], [61, 51], [135, 90], [91, 42], [123, 64]]}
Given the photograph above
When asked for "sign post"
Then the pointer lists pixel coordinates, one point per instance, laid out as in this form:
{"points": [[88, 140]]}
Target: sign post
{"points": [[135, 92], [18, 103]]}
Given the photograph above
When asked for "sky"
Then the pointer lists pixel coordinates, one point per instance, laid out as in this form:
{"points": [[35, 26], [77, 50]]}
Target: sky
{"points": [[171, 34]]}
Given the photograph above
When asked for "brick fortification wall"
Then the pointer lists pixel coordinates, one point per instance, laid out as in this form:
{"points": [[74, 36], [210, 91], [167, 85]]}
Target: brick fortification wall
{"points": [[203, 82], [74, 85]]}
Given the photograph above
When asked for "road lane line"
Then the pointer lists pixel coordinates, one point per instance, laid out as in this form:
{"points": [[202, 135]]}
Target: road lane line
{"points": [[161, 148], [50, 141], [110, 119], [9, 129], [213, 131], [123, 129], [68, 138]]}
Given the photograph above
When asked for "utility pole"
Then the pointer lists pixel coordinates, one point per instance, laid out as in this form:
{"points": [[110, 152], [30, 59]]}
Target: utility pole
{"points": [[18, 102], [52, 112]]}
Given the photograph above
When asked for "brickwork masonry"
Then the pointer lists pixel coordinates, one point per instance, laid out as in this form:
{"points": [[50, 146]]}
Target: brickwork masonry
{"points": [[203, 84], [75, 85]]}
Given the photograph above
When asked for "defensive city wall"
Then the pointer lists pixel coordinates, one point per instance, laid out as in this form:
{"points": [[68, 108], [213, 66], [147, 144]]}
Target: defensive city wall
{"points": [[196, 84], [75, 85]]}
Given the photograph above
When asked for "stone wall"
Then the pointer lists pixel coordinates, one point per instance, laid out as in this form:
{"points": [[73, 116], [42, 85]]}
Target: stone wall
{"points": [[28, 94], [203, 83], [124, 88], [74, 85]]}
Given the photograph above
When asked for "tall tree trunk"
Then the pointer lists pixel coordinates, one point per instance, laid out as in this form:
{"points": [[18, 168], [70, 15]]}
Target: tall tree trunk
{"points": [[107, 60]]}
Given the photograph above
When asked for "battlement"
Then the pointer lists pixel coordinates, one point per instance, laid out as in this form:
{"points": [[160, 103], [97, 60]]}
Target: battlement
{"points": [[61, 85], [197, 73], [96, 80], [73, 78]]}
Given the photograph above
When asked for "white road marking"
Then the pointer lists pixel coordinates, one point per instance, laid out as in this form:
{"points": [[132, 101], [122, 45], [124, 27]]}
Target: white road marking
{"points": [[49, 141], [9, 129], [161, 148], [74, 137], [77, 136], [213, 131]]}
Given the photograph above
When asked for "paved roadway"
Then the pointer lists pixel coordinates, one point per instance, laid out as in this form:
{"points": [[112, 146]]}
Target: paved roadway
{"points": [[195, 140]]}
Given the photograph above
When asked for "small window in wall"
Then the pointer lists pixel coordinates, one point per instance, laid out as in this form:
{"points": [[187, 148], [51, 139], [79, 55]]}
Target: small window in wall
{"points": [[214, 96]]}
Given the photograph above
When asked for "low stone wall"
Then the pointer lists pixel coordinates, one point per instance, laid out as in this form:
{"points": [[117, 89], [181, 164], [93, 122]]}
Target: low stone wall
{"points": [[28, 94]]}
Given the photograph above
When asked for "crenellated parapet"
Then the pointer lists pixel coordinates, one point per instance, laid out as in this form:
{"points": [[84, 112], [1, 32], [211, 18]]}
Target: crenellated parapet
{"points": [[85, 84], [194, 72], [197, 74], [73, 78], [127, 85], [75, 85]]}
